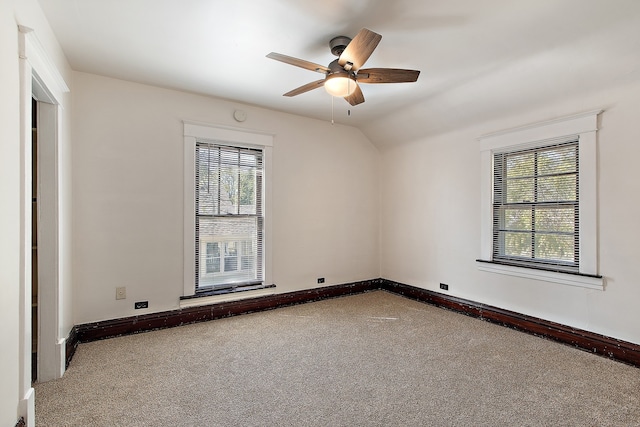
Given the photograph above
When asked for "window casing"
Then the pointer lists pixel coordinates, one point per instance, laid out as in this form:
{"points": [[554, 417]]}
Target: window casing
{"points": [[575, 221]]}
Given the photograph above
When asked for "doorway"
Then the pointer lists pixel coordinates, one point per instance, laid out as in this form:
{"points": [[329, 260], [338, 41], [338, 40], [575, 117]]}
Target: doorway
{"points": [[50, 356], [34, 240]]}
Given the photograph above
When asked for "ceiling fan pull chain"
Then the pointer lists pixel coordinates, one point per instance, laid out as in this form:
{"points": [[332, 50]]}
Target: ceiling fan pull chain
{"points": [[332, 123]]}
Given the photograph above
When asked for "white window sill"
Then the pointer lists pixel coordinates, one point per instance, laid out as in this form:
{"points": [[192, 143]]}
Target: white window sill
{"points": [[232, 296], [546, 276]]}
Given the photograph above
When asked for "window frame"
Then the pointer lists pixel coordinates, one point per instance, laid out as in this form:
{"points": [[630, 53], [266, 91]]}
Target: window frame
{"points": [[233, 137], [217, 207], [531, 208], [582, 127]]}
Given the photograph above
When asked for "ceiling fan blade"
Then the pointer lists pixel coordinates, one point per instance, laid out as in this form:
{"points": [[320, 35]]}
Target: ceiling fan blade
{"points": [[356, 97], [359, 49], [305, 88], [387, 75], [299, 62]]}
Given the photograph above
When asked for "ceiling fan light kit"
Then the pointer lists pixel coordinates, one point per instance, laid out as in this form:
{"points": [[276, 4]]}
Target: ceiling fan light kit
{"points": [[342, 75], [340, 85]]}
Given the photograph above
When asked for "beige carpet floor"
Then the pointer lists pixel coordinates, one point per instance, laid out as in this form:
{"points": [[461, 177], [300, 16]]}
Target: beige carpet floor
{"points": [[374, 359]]}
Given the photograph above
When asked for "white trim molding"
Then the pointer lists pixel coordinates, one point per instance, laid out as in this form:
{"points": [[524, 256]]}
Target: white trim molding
{"points": [[215, 299], [546, 276], [237, 136], [46, 77], [28, 407], [582, 126]]}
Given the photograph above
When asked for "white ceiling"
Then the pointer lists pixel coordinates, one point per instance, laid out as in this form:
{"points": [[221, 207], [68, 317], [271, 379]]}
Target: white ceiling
{"points": [[478, 58]]}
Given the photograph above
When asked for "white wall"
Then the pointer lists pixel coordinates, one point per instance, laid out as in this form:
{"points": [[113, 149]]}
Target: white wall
{"points": [[9, 216], [430, 219], [128, 192]]}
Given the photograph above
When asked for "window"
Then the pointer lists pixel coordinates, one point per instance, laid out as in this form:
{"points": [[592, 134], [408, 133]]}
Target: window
{"points": [[213, 257], [226, 211], [224, 257], [539, 202], [248, 255], [228, 216], [535, 207]]}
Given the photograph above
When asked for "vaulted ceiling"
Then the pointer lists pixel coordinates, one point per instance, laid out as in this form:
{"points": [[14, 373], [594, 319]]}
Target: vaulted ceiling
{"points": [[478, 58]]}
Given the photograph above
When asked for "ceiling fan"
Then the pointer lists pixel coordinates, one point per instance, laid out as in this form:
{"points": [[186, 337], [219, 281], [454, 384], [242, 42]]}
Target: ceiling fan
{"points": [[343, 74]]}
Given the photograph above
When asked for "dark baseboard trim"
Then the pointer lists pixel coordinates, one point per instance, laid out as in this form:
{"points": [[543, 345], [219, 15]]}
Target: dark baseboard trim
{"points": [[71, 344], [147, 322], [602, 345]]}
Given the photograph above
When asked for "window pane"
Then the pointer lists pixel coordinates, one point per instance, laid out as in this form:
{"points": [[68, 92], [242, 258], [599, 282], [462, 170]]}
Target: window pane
{"points": [[213, 249], [558, 219], [250, 160], [227, 269], [517, 219], [230, 257], [247, 262], [213, 257], [228, 190], [519, 165], [247, 189], [557, 188], [248, 255], [517, 244], [520, 190], [207, 181], [555, 247], [557, 160]]}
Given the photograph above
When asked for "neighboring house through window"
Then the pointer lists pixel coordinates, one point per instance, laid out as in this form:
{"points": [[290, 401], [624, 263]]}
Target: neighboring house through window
{"points": [[539, 202]]}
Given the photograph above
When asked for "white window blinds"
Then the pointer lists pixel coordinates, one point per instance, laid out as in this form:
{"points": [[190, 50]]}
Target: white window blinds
{"points": [[536, 207], [229, 216]]}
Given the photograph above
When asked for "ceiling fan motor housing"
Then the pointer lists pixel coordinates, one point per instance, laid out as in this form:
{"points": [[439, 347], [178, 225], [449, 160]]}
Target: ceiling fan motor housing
{"points": [[335, 68], [338, 44]]}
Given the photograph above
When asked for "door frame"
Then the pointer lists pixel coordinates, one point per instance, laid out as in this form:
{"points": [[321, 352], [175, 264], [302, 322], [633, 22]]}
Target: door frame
{"points": [[40, 79]]}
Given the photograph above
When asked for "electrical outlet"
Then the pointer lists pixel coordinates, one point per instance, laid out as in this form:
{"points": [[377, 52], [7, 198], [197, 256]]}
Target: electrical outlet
{"points": [[320, 279], [141, 304], [121, 293], [444, 287]]}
